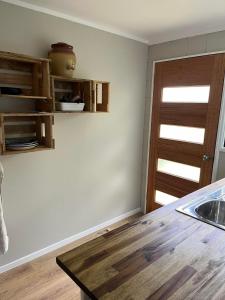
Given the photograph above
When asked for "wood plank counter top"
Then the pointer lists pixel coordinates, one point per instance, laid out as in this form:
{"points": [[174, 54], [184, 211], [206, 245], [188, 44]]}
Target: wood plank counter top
{"points": [[162, 255]]}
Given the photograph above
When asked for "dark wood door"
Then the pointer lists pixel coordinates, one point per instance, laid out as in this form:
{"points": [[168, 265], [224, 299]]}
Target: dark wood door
{"points": [[186, 105]]}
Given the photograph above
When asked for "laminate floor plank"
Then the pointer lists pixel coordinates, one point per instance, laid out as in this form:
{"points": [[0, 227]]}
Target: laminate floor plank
{"points": [[42, 279]]}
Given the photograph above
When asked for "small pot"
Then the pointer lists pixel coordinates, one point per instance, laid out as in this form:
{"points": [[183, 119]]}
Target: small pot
{"points": [[63, 59]]}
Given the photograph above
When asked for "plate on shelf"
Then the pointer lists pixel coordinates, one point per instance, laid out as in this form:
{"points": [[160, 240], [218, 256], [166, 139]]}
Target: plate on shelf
{"points": [[17, 148], [21, 140], [21, 143]]}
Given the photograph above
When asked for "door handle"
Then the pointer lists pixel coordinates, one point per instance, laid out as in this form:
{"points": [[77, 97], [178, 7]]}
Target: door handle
{"points": [[206, 157]]}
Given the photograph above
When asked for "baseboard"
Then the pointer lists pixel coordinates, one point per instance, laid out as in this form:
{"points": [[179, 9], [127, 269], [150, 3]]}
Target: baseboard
{"points": [[65, 242]]}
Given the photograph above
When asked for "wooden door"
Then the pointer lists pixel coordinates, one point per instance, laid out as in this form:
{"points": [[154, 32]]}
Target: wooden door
{"points": [[186, 105]]}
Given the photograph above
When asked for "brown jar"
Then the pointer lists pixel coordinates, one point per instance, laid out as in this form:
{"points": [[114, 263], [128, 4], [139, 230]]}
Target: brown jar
{"points": [[63, 59]]}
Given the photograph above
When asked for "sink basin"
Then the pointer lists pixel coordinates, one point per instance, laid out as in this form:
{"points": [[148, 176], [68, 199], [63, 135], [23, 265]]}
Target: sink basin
{"points": [[213, 211], [210, 209]]}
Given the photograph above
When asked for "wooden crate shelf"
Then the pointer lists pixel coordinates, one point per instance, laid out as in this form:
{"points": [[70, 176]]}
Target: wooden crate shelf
{"points": [[100, 96], [21, 57], [68, 79], [30, 113], [38, 148], [25, 114], [70, 87], [24, 97], [32, 125], [30, 75], [94, 93]]}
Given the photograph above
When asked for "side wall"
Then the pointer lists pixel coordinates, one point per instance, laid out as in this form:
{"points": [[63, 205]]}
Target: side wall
{"points": [[184, 47], [94, 174]]}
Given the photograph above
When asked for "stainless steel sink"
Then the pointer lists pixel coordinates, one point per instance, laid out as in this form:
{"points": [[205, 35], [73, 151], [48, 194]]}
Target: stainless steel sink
{"points": [[210, 209]]}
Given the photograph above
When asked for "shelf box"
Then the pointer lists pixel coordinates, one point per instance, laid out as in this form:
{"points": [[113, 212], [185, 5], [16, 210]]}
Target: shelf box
{"points": [[71, 87], [16, 125], [100, 96], [95, 93], [30, 75]]}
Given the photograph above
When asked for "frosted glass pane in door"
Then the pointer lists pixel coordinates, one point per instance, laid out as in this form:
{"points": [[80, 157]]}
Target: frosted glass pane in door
{"points": [[186, 94], [182, 133], [178, 169], [163, 198]]}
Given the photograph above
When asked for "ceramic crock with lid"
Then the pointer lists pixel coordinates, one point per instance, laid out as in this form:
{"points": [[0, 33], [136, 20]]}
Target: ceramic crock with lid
{"points": [[63, 59]]}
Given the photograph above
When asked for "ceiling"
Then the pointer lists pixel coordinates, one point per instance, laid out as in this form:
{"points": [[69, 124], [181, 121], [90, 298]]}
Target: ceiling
{"points": [[149, 21]]}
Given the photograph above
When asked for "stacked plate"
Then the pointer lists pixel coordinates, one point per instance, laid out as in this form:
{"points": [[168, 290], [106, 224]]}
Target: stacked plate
{"points": [[21, 143]]}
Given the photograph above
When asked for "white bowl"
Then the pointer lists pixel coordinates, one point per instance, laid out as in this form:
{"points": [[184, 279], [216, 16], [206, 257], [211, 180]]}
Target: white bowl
{"points": [[66, 106]]}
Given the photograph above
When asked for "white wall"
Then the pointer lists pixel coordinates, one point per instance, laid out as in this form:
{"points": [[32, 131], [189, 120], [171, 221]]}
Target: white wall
{"points": [[94, 174], [184, 47]]}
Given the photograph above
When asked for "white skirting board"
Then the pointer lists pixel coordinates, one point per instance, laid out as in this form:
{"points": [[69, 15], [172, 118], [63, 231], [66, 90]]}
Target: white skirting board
{"points": [[65, 242]]}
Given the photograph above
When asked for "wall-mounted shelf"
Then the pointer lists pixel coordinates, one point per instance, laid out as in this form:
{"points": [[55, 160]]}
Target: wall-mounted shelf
{"points": [[70, 87], [30, 76], [24, 97], [95, 94], [100, 96], [28, 114], [28, 98], [21, 57], [23, 125]]}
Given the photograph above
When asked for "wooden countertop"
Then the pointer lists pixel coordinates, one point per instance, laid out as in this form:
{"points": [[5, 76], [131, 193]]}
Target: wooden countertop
{"points": [[162, 255]]}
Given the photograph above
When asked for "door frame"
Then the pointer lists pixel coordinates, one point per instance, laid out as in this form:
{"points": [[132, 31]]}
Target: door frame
{"points": [[147, 135]]}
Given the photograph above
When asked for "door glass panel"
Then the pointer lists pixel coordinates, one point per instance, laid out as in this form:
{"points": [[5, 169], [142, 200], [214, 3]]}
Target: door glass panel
{"points": [[186, 94], [178, 169], [163, 198], [182, 133]]}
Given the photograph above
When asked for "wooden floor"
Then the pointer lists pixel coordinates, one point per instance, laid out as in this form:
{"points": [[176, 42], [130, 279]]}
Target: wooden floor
{"points": [[42, 279]]}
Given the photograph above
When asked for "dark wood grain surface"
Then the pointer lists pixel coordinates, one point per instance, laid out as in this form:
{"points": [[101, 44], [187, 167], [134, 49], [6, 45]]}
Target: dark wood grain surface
{"points": [[162, 255]]}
